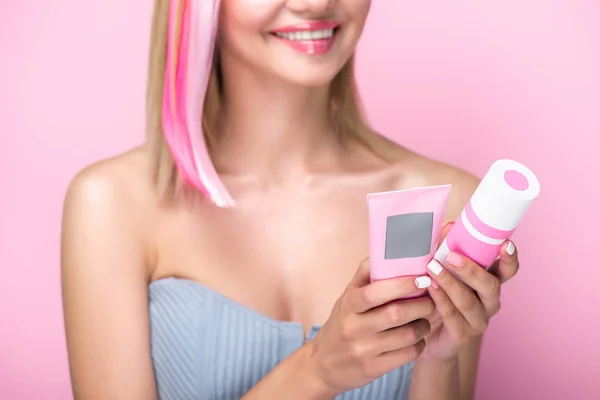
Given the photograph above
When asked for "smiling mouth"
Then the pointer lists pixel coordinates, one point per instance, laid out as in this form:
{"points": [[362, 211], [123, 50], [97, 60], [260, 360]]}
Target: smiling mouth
{"points": [[323, 34], [312, 38]]}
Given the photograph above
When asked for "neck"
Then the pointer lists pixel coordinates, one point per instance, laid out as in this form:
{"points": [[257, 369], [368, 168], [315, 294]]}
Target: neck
{"points": [[271, 128]]}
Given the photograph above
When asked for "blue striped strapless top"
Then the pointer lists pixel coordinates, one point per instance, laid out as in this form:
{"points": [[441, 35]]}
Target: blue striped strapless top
{"points": [[207, 347]]}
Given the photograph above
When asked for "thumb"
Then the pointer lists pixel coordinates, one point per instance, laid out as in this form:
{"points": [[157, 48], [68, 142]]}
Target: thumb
{"points": [[362, 277], [444, 231]]}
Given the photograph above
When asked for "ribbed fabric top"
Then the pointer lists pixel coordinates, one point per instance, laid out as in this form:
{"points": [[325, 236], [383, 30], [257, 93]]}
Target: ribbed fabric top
{"points": [[206, 346]]}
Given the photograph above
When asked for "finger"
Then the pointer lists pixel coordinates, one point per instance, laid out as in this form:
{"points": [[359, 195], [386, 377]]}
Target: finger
{"points": [[362, 275], [394, 314], [484, 283], [380, 292], [393, 339], [444, 231], [394, 359], [508, 264], [454, 322], [464, 299], [401, 337], [435, 319]]}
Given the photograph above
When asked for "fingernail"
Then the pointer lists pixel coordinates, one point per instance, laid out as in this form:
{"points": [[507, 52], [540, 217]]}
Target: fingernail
{"points": [[435, 285], [435, 267], [510, 248], [455, 260], [423, 282]]}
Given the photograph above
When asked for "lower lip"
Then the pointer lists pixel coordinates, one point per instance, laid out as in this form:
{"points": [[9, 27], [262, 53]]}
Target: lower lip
{"points": [[310, 47]]}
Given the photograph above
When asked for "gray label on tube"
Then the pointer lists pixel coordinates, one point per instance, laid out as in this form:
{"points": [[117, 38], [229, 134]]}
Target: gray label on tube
{"points": [[408, 235]]}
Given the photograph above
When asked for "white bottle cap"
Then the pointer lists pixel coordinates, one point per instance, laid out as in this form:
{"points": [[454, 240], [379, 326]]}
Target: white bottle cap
{"points": [[504, 195]]}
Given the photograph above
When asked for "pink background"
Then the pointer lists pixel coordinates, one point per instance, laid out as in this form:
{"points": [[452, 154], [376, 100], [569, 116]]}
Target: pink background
{"points": [[511, 78]]}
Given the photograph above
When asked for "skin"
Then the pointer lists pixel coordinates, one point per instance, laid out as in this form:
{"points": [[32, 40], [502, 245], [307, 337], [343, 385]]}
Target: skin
{"points": [[284, 170]]}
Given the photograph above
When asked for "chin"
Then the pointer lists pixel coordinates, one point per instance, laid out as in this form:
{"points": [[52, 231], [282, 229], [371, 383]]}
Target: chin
{"points": [[309, 77]]}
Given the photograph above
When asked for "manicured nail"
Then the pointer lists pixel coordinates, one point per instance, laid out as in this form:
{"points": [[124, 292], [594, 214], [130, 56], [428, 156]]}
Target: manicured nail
{"points": [[510, 248], [423, 282], [455, 260], [435, 267]]}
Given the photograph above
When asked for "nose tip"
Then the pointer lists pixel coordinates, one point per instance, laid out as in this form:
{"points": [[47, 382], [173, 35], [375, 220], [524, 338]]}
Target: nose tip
{"points": [[311, 6], [320, 3]]}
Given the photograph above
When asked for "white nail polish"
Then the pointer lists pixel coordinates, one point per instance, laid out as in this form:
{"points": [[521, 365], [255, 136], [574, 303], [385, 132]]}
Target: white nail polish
{"points": [[423, 282], [435, 267], [510, 248]]}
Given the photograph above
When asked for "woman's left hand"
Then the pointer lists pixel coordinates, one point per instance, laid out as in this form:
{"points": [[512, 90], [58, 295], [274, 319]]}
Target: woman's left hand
{"points": [[463, 313]]}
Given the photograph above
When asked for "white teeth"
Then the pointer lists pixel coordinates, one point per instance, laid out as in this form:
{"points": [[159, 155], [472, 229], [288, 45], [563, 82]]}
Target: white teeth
{"points": [[306, 35]]}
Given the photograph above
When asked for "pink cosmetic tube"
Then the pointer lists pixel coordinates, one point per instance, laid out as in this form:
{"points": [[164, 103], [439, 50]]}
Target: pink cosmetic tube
{"points": [[404, 229], [493, 213]]}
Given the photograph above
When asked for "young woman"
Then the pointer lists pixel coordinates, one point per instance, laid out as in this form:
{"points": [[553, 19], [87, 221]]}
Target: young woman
{"points": [[225, 258]]}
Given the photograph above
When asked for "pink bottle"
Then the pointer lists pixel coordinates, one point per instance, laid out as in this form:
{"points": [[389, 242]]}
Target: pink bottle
{"points": [[493, 213]]}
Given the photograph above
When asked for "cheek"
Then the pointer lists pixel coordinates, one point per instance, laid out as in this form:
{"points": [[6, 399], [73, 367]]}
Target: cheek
{"points": [[249, 13], [246, 20], [358, 10]]}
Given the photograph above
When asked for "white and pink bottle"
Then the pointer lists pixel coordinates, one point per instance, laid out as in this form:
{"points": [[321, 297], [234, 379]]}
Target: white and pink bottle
{"points": [[493, 213]]}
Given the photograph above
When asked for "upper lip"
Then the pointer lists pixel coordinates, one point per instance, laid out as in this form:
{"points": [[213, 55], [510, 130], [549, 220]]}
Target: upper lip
{"points": [[308, 26]]}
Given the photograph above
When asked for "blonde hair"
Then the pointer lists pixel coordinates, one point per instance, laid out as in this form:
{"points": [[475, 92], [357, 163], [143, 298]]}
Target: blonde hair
{"points": [[182, 110]]}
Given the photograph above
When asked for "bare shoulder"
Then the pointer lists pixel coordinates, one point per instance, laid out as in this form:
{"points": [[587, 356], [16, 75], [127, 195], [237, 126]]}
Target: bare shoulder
{"points": [[119, 182], [412, 169], [111, 194], [438, 172]]}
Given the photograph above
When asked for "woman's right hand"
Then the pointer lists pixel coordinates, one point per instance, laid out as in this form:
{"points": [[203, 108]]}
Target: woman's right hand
{"points": [[370, 331]]}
